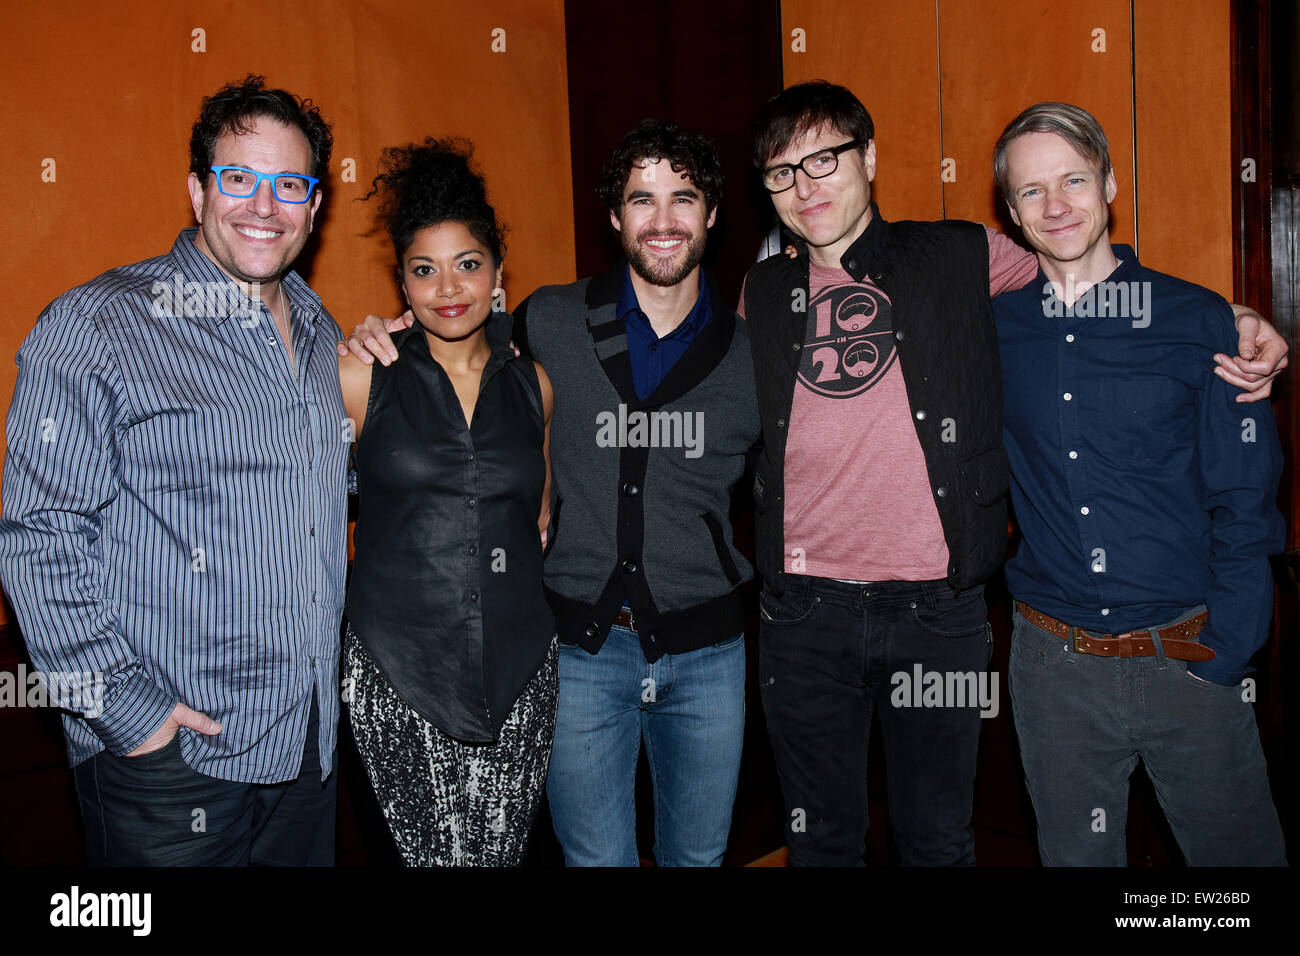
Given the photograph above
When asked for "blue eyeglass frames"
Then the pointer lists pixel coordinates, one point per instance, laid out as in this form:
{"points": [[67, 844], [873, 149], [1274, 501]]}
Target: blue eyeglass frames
{"points": [[238, 182]]}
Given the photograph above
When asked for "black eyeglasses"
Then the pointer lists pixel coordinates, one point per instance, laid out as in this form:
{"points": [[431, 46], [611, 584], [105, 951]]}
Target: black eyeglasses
{"points": [[817, 165]]}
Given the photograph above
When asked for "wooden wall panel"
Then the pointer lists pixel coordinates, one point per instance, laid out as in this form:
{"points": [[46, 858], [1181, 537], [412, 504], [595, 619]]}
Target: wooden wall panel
{"points": [[885, 51], [1164, 78], [1186, 169], [998, 56]]}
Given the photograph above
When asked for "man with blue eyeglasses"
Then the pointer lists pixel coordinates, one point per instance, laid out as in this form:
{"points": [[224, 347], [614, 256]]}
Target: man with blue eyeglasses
{"points": [[175, 514]]}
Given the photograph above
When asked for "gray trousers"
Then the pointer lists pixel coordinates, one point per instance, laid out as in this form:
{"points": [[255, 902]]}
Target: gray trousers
{"points": [[1085, 721]]}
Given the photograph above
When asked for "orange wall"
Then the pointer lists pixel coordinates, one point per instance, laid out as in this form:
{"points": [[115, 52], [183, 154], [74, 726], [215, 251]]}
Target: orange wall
{"points": [[977, 63], [885, 52], [105, 88], [109, 91], [1186, 167]]}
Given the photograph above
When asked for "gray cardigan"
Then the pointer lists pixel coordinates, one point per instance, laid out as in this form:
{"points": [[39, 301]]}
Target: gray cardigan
{"points": [[642, 488]]}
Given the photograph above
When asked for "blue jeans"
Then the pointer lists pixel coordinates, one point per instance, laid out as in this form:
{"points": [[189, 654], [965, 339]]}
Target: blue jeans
{"points": [[1083, 722], [834, 655], [690, 711]]}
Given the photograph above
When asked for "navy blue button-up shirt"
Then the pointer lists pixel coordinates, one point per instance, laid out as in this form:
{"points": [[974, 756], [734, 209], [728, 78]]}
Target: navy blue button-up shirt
{"points": [[175, 513], [653, 357], [1141, 487]]}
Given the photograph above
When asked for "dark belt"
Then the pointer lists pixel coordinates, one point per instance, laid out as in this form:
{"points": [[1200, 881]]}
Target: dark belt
{"points": [[1177, 639], [625, 618]]}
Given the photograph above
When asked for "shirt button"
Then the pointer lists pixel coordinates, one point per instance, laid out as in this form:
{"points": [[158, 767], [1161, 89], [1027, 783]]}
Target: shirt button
{"points": [[270, 340], [631, 489], [920, 414], [1105, 611], [796, 346], [591, 629], [629, 566], [473, 596], [471, 502], [1083, 510], [1067, 396], [469, 456], [899, 335], [780, 423], [941, 491], [1070, 337], [313, 532], [1074, 454], [472, 549]]}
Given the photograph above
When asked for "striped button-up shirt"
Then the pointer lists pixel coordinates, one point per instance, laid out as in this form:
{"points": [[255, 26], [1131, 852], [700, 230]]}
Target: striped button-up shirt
{"points": [[174, 522]]}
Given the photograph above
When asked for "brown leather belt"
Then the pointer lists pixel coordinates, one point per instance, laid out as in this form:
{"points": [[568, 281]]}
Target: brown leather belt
{"points": [[625, 618], [1176, 639]]}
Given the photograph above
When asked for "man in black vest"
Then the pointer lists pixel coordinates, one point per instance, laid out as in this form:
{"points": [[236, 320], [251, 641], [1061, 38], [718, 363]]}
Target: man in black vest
{"points": [[655, 411], [881, 488]]}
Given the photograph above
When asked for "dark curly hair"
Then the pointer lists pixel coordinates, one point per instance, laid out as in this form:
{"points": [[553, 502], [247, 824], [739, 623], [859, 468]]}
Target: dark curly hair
{"points": [[687, 152], [232, 110], [424, 185]]}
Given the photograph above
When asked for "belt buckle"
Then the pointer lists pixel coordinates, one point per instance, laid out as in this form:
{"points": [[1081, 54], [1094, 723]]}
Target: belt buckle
{"points": [[1076, 639], [631, 621]]}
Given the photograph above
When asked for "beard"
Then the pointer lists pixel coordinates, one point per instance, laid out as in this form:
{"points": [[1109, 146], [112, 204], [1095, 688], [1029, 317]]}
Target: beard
{"points": [[658, 270]]}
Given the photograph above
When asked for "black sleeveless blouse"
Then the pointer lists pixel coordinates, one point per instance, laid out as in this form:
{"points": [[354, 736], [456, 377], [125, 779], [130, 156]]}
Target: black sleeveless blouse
{"points": [[446, 591]]}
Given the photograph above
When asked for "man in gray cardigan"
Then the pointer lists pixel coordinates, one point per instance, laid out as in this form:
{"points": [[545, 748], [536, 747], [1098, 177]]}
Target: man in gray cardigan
{"points": [[655, 411]]}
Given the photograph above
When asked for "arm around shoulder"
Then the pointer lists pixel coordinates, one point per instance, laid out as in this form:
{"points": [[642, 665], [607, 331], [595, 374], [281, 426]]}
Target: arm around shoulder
{"points": [[355, 377]]}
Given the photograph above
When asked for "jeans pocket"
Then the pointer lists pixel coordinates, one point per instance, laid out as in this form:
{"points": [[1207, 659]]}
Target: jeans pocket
{"points": [[789, 608], [154, 758], [1203, 686], [956, 616], [729, 642]]}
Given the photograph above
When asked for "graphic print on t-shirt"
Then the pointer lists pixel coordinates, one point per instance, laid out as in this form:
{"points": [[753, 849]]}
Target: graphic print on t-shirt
{"points": [[849, 344], [858, 500]]}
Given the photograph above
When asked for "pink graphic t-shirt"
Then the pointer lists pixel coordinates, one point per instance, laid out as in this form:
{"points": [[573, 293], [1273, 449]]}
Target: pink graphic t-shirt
{"points": [[858, 504]]}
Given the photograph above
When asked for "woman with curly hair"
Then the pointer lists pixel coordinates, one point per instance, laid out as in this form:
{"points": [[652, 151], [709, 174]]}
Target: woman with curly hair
{"points": [[449, 659]]}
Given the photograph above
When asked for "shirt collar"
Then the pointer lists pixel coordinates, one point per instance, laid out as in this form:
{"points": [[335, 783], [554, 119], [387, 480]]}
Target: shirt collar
{"points": [[866, 256], [1127, 269], [192, 265], [628, 306], [498, 330]]}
